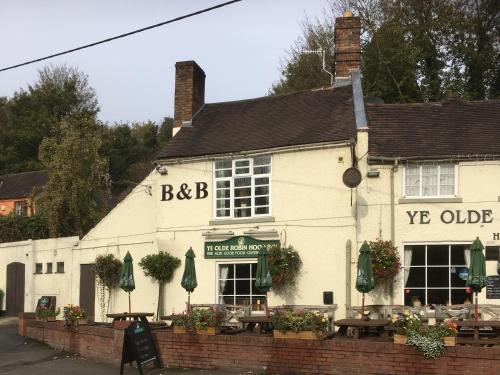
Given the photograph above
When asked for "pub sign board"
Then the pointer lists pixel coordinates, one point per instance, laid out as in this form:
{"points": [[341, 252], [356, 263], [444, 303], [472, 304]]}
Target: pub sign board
{"points": [[493, 287], [238, 247], [138, 346]]}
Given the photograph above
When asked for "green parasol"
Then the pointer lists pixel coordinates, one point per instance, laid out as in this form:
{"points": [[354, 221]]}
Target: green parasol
{"points": [[188, 281], [127, 282], [263, 279], [476, 280], [364, 278]]}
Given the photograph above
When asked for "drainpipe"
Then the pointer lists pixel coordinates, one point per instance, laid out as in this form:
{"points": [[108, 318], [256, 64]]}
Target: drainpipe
{"points": [[348, 274], [393, 224]]}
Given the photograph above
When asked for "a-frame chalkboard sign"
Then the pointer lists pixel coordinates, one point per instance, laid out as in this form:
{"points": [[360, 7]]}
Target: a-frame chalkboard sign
{"points": [[138, 346]]}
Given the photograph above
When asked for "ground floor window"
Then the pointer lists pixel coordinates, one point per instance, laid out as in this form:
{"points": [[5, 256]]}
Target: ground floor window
{"points": [[436, 274], [236, 285]]}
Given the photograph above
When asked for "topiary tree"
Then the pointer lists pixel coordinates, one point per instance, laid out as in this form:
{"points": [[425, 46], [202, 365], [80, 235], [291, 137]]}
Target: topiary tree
{"points": [[107, 271], [160, 267]]}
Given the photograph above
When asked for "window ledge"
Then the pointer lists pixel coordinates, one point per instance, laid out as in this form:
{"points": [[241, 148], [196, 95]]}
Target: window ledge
{"points": [[58, 272], [430, 200], [250, 220]]}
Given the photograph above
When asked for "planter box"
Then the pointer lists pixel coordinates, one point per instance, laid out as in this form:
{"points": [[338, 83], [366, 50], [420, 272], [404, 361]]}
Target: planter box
{"points": [[400, 339], [81, 322], [450, 341], [180, 329], [301, 335], [209, 331], [51, 319]]}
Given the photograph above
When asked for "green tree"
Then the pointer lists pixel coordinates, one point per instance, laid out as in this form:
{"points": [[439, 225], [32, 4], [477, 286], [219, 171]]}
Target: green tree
{"points": [[75, 195], [33, 114], [160, 267], [412, 50]]}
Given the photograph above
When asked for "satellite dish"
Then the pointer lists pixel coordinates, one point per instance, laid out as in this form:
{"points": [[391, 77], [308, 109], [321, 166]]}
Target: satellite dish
{"points": [[351, 177]]}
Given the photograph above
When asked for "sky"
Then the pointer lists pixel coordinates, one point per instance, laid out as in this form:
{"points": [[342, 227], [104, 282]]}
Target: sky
{"points": [[239, 47]]}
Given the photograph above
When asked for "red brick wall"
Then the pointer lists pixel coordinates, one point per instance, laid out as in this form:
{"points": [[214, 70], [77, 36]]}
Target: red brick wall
{"points": [[274, 356]]}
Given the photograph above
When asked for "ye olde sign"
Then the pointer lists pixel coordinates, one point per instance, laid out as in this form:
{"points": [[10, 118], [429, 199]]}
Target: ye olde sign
{"points": [[493, 287], [452, 217], [238, 247]]}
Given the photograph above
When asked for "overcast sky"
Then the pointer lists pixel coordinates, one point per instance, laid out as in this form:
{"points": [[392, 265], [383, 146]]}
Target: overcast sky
{"points": [[239, 47]]}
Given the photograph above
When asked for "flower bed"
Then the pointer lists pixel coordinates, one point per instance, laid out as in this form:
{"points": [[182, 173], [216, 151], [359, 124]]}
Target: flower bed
{"points": [[299, 325]]}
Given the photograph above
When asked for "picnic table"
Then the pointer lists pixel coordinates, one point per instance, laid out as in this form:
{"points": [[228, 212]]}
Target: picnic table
{"points": [[142, 316], [484, 332], [264, 323], [362, 327]]}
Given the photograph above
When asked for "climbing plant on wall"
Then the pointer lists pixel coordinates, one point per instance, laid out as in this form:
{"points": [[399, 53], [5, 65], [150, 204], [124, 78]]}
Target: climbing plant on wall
{"points": [[107, 271]]}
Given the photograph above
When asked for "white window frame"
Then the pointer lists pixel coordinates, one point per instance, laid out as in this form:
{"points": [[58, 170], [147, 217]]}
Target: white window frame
{"points": [[232, 187], [233, 262], [420, 196], [449, 265]]}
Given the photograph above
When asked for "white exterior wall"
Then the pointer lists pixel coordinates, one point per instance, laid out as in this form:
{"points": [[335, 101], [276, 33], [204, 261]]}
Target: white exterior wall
{"points": [[37, 285], [478, 189], [310, 206], [311, 210]]}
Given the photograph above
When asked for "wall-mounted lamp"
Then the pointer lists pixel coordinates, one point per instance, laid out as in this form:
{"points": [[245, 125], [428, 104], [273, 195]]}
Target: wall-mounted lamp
{"points": [[262, 233], [214, 233], [161, 169]]}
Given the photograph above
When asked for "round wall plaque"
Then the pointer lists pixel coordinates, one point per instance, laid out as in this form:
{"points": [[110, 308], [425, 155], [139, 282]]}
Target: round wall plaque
{"points": [[351, 177]]}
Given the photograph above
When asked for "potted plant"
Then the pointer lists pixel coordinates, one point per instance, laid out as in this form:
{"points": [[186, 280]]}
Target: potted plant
{"points": [[301, 324], [75, 315], [448, 332], [405, 324], [206, 321], [180, 322], [385, 262], [285, 265], [47, 315]]}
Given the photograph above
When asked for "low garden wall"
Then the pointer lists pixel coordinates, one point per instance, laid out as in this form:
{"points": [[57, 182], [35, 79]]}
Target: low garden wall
{"points": [[266, 354]]}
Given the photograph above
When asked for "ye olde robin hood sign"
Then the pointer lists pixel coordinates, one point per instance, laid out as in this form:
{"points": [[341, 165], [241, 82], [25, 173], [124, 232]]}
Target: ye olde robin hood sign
{"points": [[238, 247]]}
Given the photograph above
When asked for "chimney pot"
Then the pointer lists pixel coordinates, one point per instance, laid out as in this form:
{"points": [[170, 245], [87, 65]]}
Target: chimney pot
{"points": [[347, 14], [189, 91]]}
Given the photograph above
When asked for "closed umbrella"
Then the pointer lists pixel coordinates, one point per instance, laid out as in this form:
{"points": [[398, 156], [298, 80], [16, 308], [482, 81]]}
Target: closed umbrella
{"points": [[188, 281], [364, 278], [127, 282], [476, 280], [263, 279]]}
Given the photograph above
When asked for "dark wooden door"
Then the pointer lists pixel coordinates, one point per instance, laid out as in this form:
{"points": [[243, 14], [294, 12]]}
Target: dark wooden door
{"points": [[87, 288], [15, 289]]}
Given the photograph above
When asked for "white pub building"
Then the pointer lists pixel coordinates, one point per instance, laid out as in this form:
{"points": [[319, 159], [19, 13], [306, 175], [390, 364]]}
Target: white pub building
{"points": [[240, 174]]}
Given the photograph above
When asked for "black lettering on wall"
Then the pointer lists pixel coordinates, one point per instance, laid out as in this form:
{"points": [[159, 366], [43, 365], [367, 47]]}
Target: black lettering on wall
{"points": [[201, 190], [166, 192]]}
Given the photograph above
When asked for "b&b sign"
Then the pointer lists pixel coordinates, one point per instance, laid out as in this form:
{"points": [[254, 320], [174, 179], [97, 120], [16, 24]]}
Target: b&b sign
{"points": [[238, 247]]}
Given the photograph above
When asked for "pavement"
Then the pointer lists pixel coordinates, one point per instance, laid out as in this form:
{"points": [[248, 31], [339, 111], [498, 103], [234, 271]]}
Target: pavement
{"points": [[22, 356]]}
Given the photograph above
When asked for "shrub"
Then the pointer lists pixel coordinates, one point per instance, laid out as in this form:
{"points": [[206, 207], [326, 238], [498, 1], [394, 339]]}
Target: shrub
{"points": [[204, 318], [160, 267], [287, 320]]}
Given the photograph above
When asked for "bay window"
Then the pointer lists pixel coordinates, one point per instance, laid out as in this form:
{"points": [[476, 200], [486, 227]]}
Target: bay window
{"points": [[242, 187], [429, 180]]}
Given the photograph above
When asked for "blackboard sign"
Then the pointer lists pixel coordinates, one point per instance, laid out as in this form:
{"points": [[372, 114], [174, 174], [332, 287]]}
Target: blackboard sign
{"points": [[493, 287], [138, 346]]}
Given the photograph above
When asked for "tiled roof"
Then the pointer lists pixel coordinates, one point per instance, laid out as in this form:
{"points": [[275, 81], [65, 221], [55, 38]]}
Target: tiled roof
{"points": [[20, 185], [450, 128], [304, 117]]}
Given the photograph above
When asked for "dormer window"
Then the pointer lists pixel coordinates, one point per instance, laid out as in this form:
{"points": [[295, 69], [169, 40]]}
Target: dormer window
{"points": [[428, 180], [242, 187]]}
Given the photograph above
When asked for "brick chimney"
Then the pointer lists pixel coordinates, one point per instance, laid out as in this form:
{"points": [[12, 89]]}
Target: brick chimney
{"points": [[347, 45], [189, 91]]}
